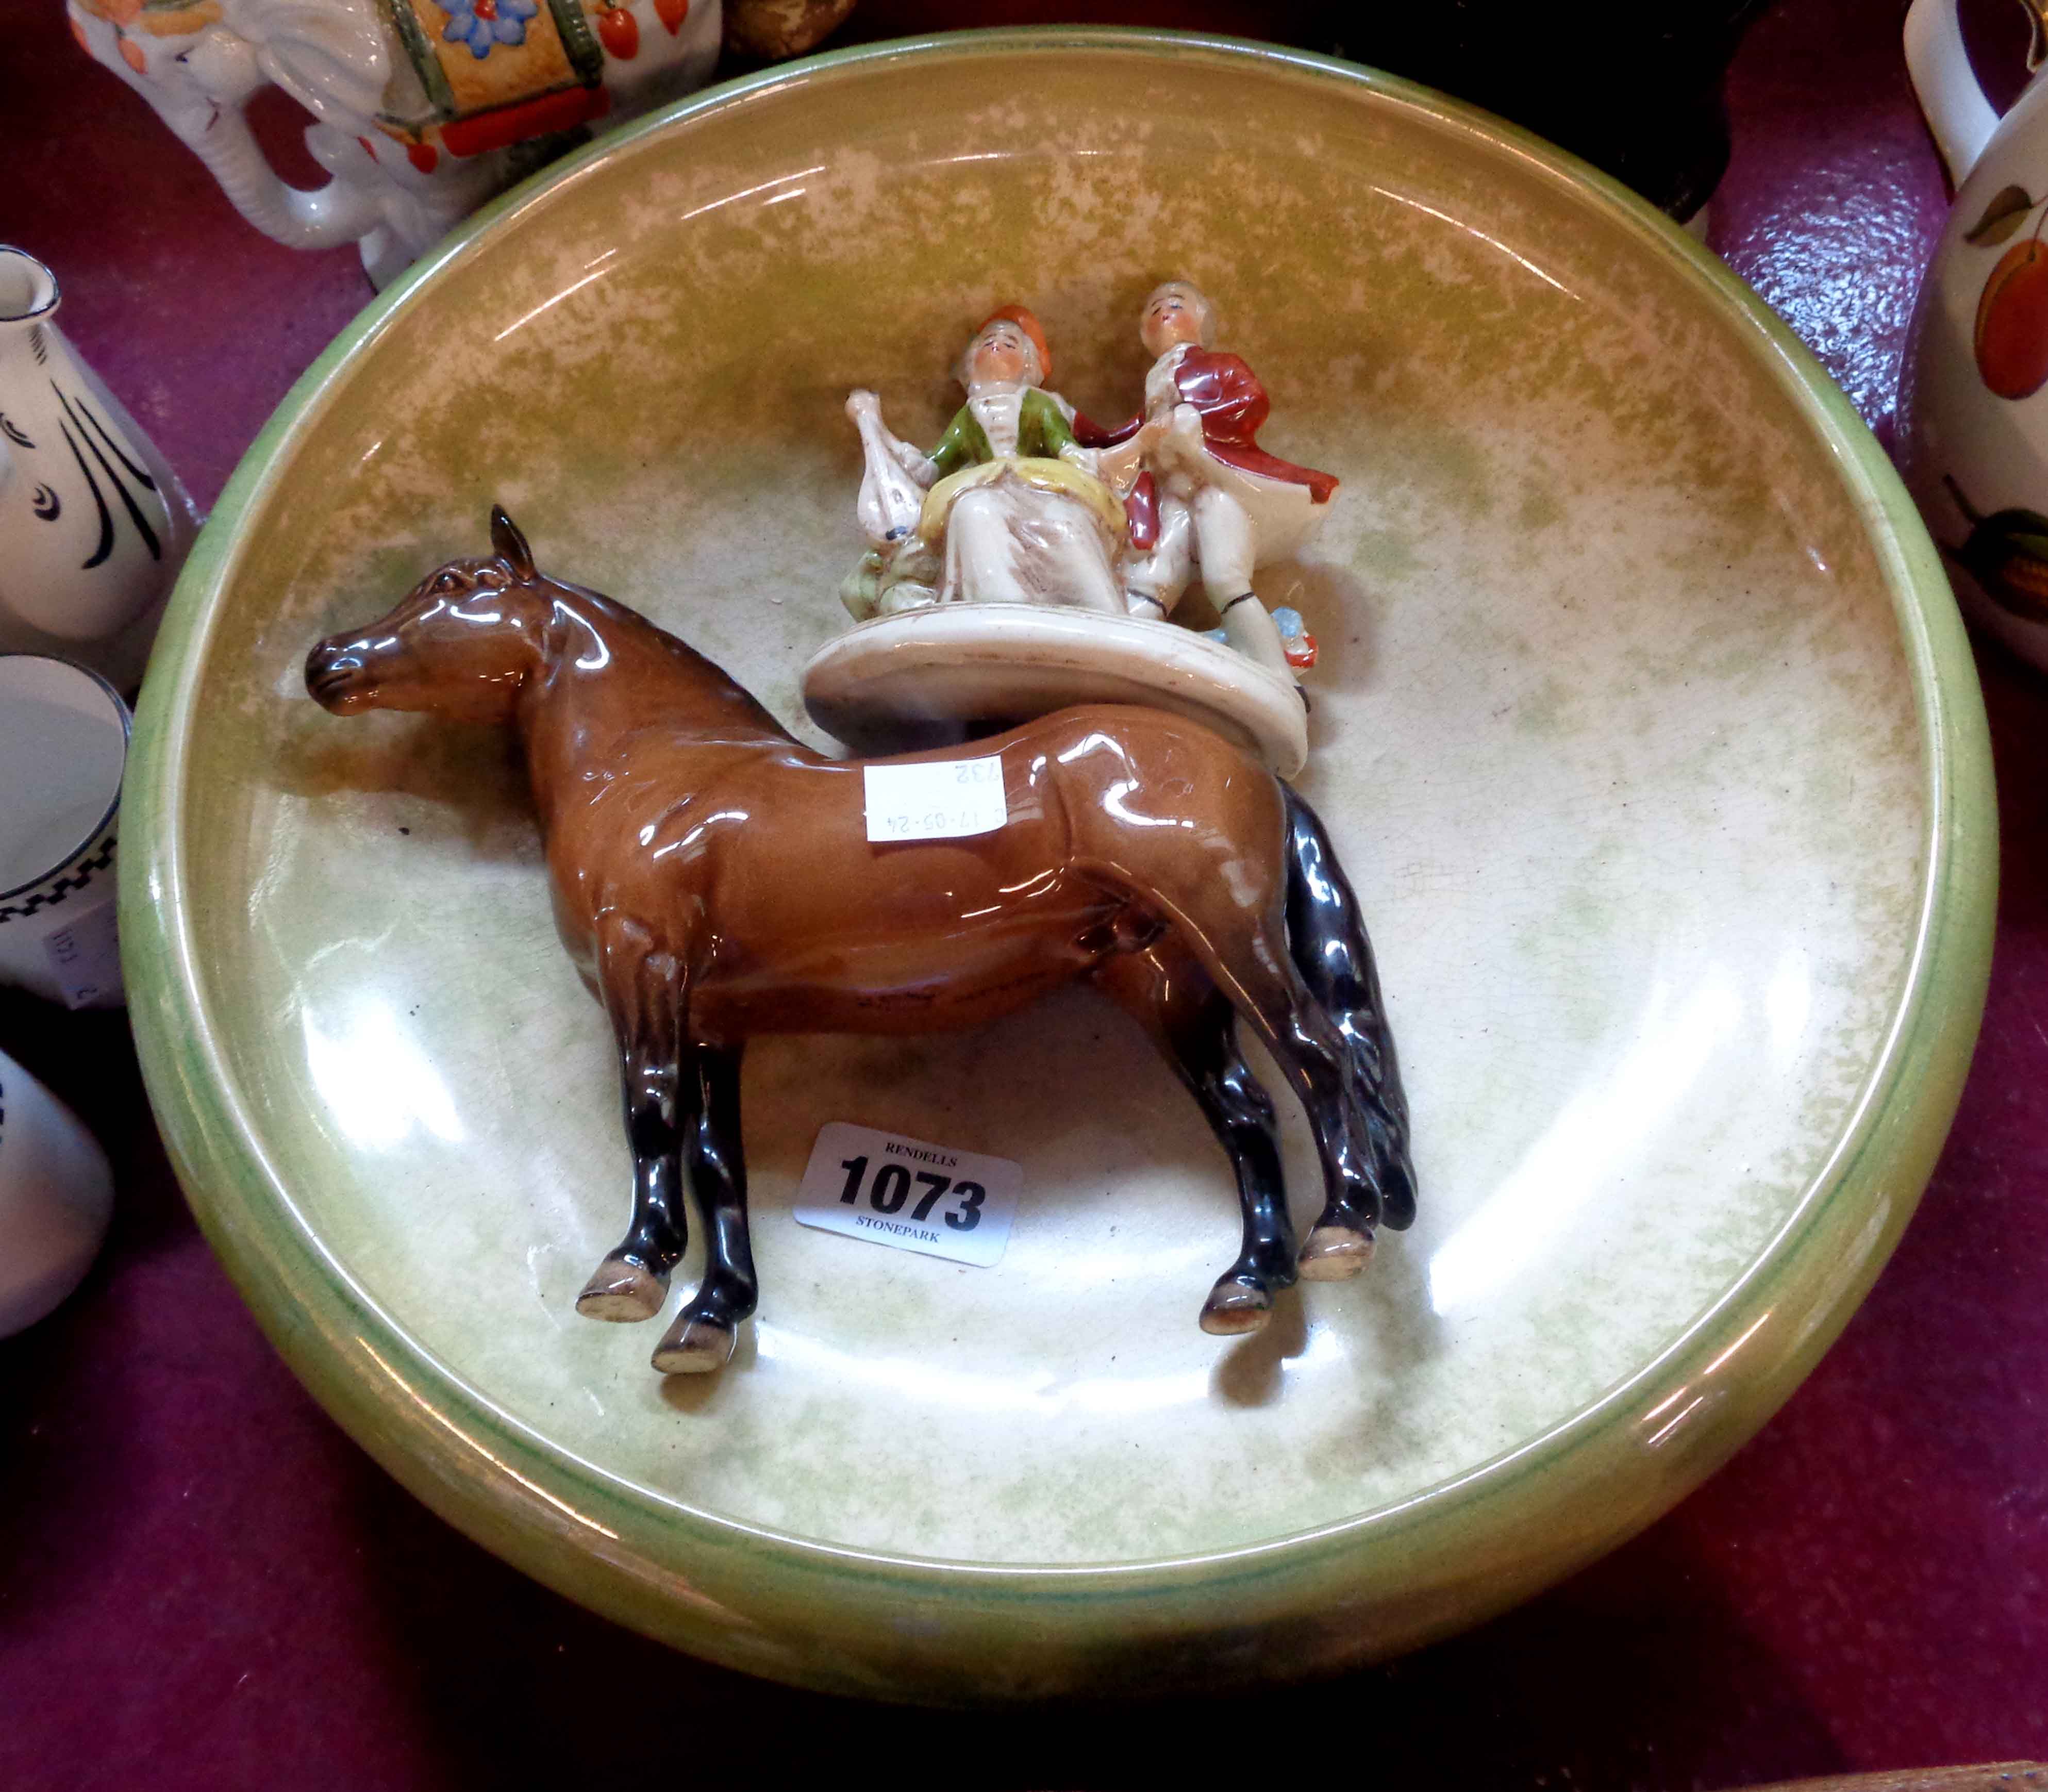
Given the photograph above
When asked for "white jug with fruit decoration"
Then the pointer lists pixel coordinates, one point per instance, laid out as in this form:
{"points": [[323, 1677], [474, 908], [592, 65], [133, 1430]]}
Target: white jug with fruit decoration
{"points": [[1973, 399]]}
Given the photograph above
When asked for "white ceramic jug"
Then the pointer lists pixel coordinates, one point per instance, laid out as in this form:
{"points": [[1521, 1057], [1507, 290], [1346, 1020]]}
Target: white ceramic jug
{"points": [[94, 525], [1973, 399]]}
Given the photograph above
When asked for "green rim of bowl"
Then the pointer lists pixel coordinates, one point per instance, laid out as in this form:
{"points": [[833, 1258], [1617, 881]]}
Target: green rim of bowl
{"points": [[1387, 1579]]}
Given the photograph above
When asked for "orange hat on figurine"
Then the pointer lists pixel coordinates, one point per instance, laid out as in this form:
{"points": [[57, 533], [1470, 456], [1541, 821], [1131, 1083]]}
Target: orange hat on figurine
{"points": [[1029, 324]]}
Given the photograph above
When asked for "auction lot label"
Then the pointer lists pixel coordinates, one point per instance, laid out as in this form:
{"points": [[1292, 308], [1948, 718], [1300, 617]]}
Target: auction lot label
{"points": [[889, 1189]]}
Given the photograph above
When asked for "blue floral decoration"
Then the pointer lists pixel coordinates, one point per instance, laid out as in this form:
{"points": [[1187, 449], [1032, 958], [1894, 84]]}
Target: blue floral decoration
{"points": [[1286, 618], [484, 24]]}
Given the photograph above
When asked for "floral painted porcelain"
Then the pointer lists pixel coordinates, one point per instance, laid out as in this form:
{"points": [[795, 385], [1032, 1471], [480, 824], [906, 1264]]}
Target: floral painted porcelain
{"points": [[1973, 399], [1644, 726], [421, 111]]}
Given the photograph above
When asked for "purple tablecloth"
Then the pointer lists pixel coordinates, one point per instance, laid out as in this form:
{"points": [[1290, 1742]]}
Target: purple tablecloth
{"points": [[204, 1583]]}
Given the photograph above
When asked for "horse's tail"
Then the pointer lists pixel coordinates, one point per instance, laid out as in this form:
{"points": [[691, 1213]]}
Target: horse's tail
{"points": [[1326, 938]]}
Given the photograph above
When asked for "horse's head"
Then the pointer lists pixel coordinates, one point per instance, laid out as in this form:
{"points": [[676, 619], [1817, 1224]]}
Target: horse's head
{"points": [[460, 644]]}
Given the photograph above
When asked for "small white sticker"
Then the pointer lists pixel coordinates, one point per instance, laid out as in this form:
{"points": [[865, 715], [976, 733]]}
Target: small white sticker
{"points": [[87, 958], [892, 1190], [940, 800]]}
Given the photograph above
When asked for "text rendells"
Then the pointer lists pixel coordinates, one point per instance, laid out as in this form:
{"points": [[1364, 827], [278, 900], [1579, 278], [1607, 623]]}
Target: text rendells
{"points": [[889, 1189]]}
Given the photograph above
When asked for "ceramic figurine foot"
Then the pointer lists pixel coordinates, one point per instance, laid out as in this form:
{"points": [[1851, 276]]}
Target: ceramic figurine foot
{"points": [[1236, 1308], [694, 1347], [1335, 1254], [623, 1292]]}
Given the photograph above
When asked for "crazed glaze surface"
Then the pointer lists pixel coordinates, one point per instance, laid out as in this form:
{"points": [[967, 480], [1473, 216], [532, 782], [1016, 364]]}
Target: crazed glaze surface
{"points": [[1628, 726]]}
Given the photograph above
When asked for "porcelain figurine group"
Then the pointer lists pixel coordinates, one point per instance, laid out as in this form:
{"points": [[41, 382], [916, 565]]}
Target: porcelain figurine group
{"points": [[1025, 502], [714, 878], [1035, 504]]}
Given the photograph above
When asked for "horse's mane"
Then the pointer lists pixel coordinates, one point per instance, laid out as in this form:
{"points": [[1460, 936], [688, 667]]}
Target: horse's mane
{"points": [[712, 678]]}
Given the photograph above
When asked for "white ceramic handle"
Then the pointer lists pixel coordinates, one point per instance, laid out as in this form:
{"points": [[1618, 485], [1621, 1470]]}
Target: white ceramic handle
{"points": [[1961, 117]]}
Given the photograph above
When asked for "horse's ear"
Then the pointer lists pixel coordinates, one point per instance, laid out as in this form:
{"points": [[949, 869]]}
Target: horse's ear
{"points": [[511, 546]]}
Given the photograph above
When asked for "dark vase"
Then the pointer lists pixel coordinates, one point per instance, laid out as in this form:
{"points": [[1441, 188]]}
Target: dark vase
{"points": [[1635, 89]]}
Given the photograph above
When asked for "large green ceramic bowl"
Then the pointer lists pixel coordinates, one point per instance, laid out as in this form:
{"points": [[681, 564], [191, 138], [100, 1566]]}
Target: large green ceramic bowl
{"points": [[1644, 723]]}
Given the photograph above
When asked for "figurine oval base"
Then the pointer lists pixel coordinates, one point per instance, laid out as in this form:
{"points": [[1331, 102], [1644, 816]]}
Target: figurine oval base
{"points": [[896, 678]]}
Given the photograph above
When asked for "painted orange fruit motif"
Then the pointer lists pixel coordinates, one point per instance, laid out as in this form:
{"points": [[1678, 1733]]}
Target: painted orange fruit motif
{"points": [[672, 14], [620, 32], [2011, 332]]}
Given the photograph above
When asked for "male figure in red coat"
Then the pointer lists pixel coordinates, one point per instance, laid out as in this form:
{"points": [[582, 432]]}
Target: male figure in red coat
{"points": [[1209, 495]]}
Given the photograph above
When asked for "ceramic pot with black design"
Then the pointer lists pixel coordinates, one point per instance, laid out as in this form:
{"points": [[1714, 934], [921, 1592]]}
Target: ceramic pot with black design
{"points": [[93, 525], [63, 753]]}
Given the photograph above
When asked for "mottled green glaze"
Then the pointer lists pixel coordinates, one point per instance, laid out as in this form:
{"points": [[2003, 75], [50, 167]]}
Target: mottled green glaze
{"points": [[1644, 722]]}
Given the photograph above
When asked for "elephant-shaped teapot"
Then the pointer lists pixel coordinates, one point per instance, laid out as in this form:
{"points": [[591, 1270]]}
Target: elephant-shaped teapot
{"points": [[422, 109]]}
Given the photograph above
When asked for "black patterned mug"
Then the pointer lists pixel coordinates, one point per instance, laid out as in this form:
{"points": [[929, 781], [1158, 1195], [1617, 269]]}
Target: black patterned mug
{"points": [[63, 746]]}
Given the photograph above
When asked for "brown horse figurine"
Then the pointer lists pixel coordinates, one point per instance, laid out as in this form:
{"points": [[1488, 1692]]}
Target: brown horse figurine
{"points": [[713, 879]]}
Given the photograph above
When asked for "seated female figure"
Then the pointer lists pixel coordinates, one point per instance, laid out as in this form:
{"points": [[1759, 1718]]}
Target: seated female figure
{"points": [[1013, 509]]}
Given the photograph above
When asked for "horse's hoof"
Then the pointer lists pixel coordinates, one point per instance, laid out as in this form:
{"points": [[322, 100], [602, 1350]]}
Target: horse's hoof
{"points": [[622, 1291], [1335, 1254], [1235, 1309], [1398, 1194], [694, 1347]]}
